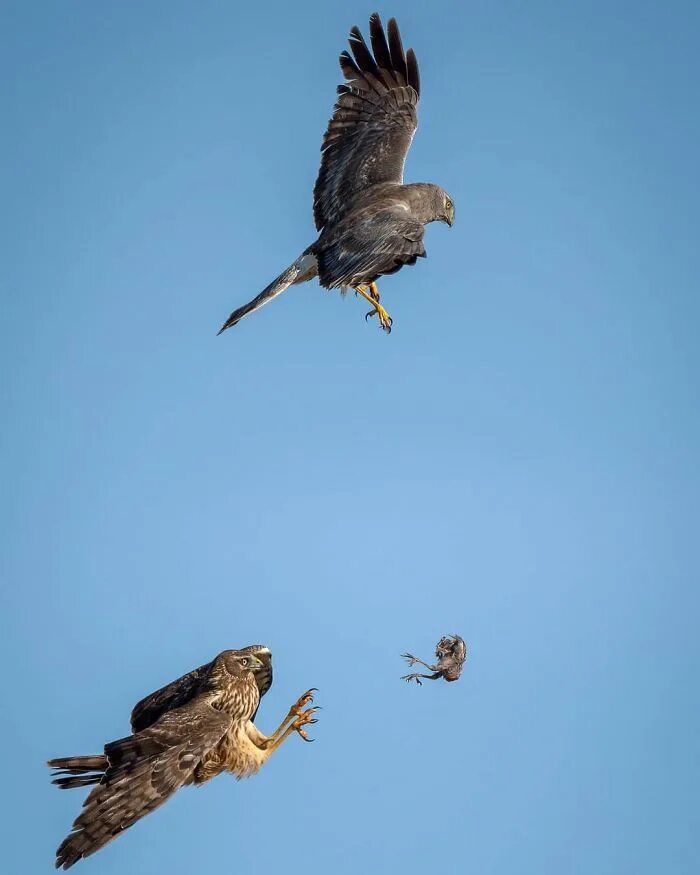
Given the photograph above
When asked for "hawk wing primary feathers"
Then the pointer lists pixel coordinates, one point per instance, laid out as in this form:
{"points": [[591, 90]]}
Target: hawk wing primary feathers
{"points": [[144, 771], [172, 695], [373, 123]]}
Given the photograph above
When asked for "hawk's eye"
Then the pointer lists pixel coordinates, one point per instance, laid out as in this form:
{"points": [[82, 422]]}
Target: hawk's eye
{"points": [[448, 204], [244, 661]]}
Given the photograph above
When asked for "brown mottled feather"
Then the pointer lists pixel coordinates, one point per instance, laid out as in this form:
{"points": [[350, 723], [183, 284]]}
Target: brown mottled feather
{"points": [[144, 771], [180, 691]]}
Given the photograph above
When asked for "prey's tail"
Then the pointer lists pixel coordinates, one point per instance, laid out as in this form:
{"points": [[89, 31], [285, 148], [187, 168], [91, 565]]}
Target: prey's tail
{"points": [[78, 771], [303, 269]]}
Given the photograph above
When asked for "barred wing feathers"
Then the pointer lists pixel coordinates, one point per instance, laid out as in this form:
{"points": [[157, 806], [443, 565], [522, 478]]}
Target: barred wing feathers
{"points": [[373, 123], [173, 695], [144, 771]]}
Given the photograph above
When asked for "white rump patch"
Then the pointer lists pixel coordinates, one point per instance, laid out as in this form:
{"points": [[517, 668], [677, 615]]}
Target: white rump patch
{"points": [[307, 266]]}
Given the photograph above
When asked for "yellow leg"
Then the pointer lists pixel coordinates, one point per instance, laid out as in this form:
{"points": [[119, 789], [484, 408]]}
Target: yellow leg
{"points": [[295, 711], [371, 293], [304, 719], [294, 715]]}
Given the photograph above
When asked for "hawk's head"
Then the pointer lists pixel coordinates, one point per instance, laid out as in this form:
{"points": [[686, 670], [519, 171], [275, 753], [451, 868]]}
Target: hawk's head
{"points": [[448, 214], [258, 659]]}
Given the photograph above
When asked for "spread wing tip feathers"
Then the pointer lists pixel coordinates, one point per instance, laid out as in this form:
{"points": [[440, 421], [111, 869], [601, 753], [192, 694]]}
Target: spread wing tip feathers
{"points": [[387, 56], [373, 120]]}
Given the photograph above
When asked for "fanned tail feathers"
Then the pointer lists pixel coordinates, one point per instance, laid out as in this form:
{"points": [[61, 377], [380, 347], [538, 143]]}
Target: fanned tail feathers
{"points": [[71, 772]]}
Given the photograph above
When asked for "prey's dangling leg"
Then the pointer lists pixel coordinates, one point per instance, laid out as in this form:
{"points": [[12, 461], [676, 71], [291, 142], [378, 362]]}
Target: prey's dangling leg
{"points": [[371, 293], [413, 660], [417, 677]]}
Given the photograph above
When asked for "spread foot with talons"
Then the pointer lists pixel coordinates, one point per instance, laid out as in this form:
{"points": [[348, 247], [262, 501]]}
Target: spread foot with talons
{"points": [[303, 700], [371, 293], [306, 718], [385, 319]]}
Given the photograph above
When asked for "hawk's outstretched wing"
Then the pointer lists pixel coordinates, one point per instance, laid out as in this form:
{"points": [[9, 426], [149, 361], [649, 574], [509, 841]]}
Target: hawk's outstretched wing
{"points": [[173, 695], [144, 770], [180, 691], [373, 123]]}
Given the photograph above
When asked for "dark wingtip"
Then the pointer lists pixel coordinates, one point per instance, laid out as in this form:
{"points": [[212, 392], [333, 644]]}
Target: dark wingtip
{"points": [[379, 43], [398, 56], [387, 53], [413, 72], [363, 56]]}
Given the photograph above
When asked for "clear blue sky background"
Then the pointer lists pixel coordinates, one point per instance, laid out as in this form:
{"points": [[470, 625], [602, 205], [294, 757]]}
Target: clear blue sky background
{"points": [[517, 462]]}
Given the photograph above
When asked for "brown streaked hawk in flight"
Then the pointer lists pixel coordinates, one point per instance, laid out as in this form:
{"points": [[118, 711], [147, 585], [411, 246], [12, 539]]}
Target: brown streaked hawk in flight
{"points": [[185, 733], [370, 223], [451, 652]]}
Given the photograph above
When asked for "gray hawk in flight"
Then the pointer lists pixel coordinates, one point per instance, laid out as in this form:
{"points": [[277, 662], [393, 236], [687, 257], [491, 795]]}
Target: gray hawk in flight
{"points": [[370, 223], [451, 652], [185, 733]]}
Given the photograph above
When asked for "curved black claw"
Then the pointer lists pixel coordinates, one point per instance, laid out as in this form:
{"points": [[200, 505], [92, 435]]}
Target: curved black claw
{"points": [[385, 327], [306, 698], [303, 735]]}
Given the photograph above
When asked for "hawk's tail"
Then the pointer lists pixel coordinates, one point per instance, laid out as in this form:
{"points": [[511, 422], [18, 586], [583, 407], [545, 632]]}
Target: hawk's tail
{"points": [[303, 269], [78, 771]]}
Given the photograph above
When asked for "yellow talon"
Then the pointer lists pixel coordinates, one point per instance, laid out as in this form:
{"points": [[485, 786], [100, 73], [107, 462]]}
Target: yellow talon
{"points": [[304, 719], [371, 293]]}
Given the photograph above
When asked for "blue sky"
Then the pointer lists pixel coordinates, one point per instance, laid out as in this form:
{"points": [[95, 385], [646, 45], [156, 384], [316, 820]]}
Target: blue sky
{"points": [[517, 462]]}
